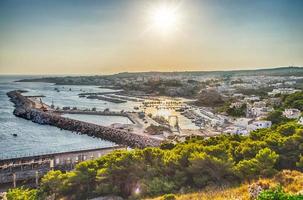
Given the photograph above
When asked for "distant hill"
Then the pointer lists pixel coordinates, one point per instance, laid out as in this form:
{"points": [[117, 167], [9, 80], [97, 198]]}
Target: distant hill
{"points": [[278, 71], [103, 79]]}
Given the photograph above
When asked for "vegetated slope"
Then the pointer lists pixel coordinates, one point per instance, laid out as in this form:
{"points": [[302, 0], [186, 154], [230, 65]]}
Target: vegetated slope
{"points": [[198, 163], [287, 182]]}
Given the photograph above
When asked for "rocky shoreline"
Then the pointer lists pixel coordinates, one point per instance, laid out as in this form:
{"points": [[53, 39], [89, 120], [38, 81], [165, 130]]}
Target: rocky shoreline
{"points": [[25, 108]]}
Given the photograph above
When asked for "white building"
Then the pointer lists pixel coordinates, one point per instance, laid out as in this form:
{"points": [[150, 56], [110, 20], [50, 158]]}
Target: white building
{"points": [[235, 130], [252, 98], [258, 124], [300, 121], [283, 91], [292, 113]]}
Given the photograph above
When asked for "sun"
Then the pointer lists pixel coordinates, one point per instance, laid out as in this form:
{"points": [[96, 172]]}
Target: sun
{"points": [[165, 18]]}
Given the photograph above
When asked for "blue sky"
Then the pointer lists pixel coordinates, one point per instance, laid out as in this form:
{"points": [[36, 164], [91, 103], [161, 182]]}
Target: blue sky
{"points": [[95, 37]]}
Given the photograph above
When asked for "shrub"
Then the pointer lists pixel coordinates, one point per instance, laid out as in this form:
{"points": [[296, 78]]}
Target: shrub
{"points": [[169, 197], [278, 194], [21, 194]]}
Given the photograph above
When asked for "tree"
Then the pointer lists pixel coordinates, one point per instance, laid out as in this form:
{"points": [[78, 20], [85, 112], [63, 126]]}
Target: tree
{"points": [[262, 164], [205, 170], [294, 100], [53, 183], [266, 159], [276, 117], [237, 112]]}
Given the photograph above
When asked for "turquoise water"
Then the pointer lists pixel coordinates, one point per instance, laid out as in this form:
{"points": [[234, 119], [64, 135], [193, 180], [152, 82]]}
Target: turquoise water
{"points": [[41, 139]]}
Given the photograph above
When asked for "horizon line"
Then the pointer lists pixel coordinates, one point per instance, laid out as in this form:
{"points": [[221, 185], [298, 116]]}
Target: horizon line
{"points": [[151, 71]]}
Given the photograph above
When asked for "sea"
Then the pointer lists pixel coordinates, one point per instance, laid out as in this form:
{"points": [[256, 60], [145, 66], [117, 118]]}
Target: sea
{"points": [[36, 139]]}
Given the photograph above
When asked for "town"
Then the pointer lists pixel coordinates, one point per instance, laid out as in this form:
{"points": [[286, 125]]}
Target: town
{"points": [[174, 106]]}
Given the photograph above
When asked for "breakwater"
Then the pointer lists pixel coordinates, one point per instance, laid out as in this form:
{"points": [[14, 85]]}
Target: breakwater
{"points": [[26, 109]]}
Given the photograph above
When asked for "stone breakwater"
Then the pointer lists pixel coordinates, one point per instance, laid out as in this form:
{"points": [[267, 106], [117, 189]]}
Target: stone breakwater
{"points": [[25, 108]]}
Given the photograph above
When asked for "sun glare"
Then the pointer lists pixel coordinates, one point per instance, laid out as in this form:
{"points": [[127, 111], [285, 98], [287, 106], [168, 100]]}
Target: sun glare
{"points": [[165, 18]]}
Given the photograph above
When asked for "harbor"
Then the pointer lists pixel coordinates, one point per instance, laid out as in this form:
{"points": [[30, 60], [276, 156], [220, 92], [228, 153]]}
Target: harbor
{"points": [[27, 109]]}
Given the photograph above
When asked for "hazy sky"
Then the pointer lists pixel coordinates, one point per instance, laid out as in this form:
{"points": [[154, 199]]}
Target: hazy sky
{"points": [[97, 37]]}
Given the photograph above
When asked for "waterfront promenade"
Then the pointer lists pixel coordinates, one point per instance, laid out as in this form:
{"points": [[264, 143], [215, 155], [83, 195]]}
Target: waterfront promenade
{"points": [[27, 109]]}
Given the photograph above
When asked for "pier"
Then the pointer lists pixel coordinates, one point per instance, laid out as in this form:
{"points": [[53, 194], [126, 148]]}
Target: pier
{"points": [[27, 109]]}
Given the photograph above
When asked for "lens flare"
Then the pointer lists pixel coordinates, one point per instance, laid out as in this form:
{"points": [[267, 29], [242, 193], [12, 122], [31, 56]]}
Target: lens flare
{"points": [[165, 18]]}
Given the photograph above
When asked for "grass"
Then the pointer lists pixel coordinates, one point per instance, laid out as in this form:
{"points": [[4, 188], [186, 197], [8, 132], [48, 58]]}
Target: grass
{"points": [[291, 181]]}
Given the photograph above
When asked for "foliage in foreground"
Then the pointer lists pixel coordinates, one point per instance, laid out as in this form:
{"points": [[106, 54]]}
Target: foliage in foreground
{"points": [[284, 185], [22, 194], [198, 163], [278, 194]]}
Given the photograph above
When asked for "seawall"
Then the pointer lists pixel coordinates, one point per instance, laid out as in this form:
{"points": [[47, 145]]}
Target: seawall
{"points": [[25, 108]]}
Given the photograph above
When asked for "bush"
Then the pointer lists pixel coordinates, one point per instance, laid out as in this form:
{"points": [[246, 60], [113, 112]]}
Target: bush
{"points": [[21, 194], [277, 194], [169, 197]]}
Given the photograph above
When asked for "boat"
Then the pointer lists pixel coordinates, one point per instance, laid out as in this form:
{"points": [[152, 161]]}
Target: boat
{"points": [[15, 134]]}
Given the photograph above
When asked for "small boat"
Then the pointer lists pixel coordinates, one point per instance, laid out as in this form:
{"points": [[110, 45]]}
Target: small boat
{"points": [[15, 134]]}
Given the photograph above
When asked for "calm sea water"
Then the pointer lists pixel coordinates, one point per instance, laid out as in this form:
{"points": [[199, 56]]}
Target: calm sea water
{"points": [[40, 139]]}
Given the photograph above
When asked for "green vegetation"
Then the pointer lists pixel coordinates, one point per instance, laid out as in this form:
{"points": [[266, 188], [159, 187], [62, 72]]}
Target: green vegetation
{"points": [[210, 98], [278, 194], [198, 163], [276, 117], [169, 197], [166, 87], [262, 92], [294, 101], [237, 112], [22, 194], [284, 185]]}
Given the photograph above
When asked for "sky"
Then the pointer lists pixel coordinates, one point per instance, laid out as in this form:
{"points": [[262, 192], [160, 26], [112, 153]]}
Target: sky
{"points": [[105, 37]]}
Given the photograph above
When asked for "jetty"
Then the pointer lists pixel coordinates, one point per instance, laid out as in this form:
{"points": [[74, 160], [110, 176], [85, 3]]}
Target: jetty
{"points": [[27, 109]]}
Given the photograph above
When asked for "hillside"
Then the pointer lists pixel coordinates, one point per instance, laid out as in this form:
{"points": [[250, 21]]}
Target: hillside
{"points": [[291, 183]]}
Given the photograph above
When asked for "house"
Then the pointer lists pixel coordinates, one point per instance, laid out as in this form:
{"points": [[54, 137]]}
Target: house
{"points": [[252, 98], [292, 113], [300, 121], [235, 130], [258, 124]]}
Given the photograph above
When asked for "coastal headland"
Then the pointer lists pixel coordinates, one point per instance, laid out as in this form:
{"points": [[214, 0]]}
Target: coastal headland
{"points": [[25, 108]]}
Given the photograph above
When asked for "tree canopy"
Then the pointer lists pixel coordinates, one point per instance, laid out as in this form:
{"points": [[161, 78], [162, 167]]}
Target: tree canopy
{"points": [[193, 164]]}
